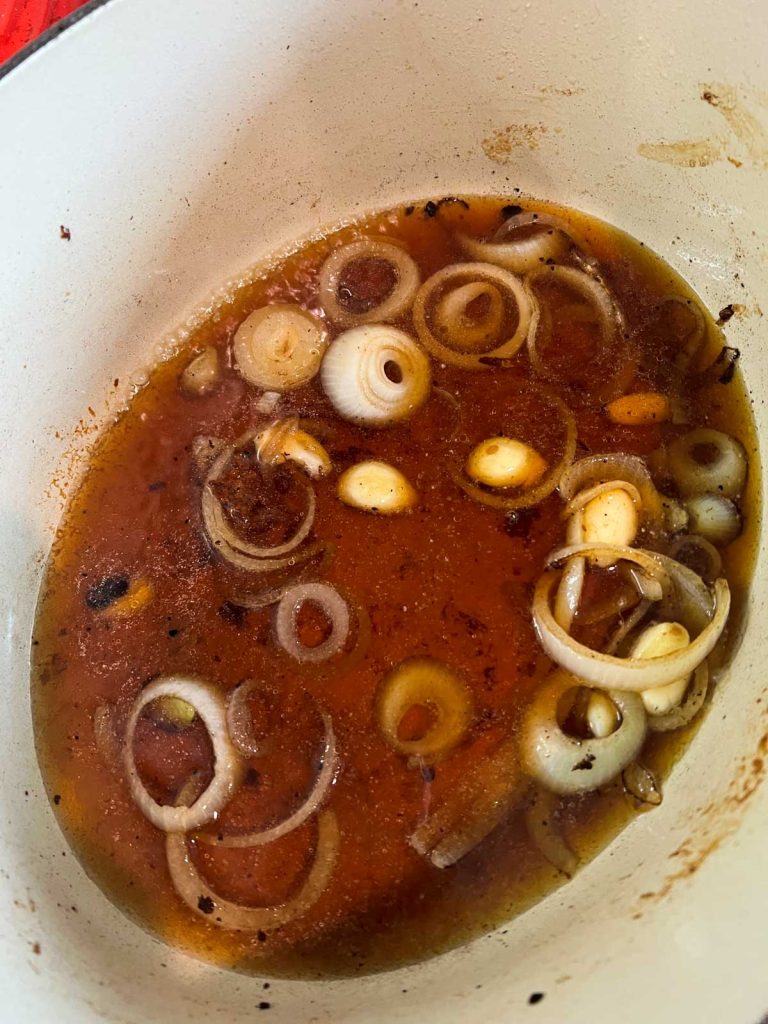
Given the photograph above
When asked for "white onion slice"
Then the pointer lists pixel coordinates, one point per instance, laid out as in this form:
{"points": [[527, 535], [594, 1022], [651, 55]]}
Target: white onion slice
{"points": [[332, 604], [522, 255], [626, 674], [566, 765], [569, 592], [541, 820], [197, 894], [714, 518], [689, 706], [279, 347], [240, 722], [462, 331], [723, 474], [456, 276], [612, 467], [590, 289], [209, 705], [317, 796], [376, 375], [392, 306]]}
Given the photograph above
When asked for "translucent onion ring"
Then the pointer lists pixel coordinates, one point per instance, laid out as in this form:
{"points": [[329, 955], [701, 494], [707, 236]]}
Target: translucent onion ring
{"points": [[545, 486], [597, 469], [224, 538], [566, 765], [196, 893], [240, 723], [314, 800], [333, 605], [394, 305], [591, 289], [541, 821], [524, 254], [694, 343], [689, 706], [504, 280], [682, 548], [460, 330], [568, 596], [209, 705], [424, 681], [625, 674]]}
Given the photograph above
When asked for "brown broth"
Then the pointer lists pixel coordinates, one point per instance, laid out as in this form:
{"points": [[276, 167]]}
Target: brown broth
{"points": [[453, 579]]}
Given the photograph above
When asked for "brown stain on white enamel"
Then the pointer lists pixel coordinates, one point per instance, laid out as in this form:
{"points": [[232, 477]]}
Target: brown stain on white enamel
{"points": [[686, 153], [501, 144], [745, 129]]}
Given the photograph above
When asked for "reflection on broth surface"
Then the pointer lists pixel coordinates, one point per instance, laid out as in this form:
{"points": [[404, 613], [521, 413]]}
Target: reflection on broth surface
{"points": [[393, 596]]}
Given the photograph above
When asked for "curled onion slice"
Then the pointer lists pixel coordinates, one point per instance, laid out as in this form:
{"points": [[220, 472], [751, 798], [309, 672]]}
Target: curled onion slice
{"points": [[706, 460], [392, 306], [527, 251], [376, 375], [589, 289], [546, 836], [240, 723], [209, 705], [626, 674], [433, 296], [569, 592], [566, 765], [234, 548], [424, 682], [689, 706], [279, 347], [330, 602], [463, 331], [612, 467], [196, 892], [692, 344], [541, 490], [698, 555], [309, 806], [485, 795]]}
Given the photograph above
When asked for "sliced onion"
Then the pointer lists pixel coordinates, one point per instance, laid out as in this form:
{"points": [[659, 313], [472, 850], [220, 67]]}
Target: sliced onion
{"points": [[714, 518], [524, 254], [240, 723], [698, 555], [260, 565], [457, 276], [224, 539], [547, 484], [376, 375], [626, 674], [590, 289], [484, 796], [546, 836], [462, 331], [209, 705], [335, 609], [693, 344], [623, 630], [394, 305], [279, 347], [196, 892], [317, 796], [600, 469], [649, 589], [689, 706], [723, 474], [284, 440], [566, 765], [569, 592], [424, 682], [640, 782], [205, 451], [578, 501]]}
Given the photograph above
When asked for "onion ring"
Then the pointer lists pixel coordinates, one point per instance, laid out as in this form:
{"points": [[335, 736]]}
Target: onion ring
{"points": [[724, 475], [625, 674], [526, 253], [566, 765], [691, 704], [209, 705], [394, 305], [503, 280], [196, 893], [331, 602]]}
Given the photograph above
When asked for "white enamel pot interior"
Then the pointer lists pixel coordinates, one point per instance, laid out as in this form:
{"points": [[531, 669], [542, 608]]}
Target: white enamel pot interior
{"points": [[182, 141]]}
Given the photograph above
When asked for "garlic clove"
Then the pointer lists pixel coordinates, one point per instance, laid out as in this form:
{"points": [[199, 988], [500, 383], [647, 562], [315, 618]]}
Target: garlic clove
{"points": [[505, 462], [654, 642], [202, 374], [376, 487]]}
